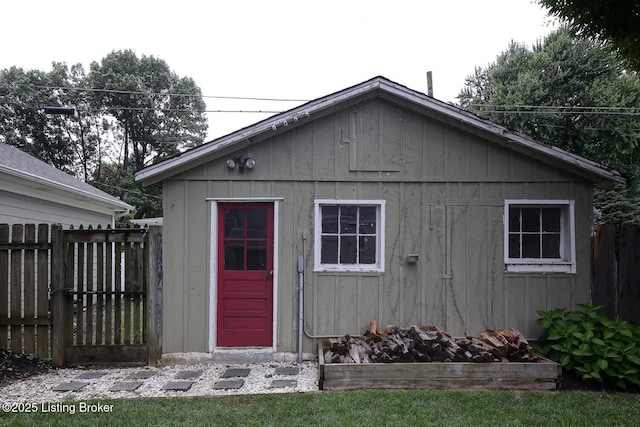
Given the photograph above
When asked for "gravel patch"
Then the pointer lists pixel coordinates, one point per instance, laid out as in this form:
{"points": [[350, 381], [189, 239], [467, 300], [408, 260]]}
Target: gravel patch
{"points": [[262, 379]]}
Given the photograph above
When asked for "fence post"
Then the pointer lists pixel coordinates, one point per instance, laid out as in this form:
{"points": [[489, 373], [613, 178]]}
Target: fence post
{"points": [[605, 272], [57, 295], [154, 295], [628, 273]]}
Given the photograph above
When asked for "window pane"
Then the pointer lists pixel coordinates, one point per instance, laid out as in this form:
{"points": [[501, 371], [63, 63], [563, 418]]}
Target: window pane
{"points": [[367, 249], [367, 220], [348, 219], [514, 219], [348, 250], [329, 250], [256, 224], [551, 246], [514, 246], [234, 223], [233, 255], [531, 219], [257, 255], [530, 246], [330, 219], [551, 219]]}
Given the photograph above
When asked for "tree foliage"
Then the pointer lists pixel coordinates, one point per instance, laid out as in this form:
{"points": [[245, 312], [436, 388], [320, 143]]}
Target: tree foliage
{"points": [[616, 22], [157, 111], [23, 123], [130, 112], [572, 93], [114, 179]]}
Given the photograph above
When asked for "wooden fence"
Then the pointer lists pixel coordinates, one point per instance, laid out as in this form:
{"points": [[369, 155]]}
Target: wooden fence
{"points": [[81, 296], [25, 257], [616, 271]]}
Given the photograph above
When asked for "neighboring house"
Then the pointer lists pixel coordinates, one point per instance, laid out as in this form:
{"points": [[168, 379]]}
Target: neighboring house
{"points": [[404, 209], [31, 191], [147, 222]]}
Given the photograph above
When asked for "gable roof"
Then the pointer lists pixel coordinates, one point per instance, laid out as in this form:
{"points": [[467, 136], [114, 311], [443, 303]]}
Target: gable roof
{"points": [[394, 92], [24, 169]]}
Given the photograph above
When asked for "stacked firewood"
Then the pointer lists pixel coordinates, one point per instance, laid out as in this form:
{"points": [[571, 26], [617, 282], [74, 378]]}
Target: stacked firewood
{"points": [[428, 344]]}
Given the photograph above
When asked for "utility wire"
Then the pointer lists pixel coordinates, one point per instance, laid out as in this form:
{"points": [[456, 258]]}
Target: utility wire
{"points": [[99, 184], [588, 112], [606, 111], [493, 108], [132, 92], [552, 107]]}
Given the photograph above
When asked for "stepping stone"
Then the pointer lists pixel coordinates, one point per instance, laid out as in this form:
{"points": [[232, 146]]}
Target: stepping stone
{"points": [[236, 372], [126, 386], [283, 383], [91, 375], [287, 370], [141, 375], [178, 385], [72, 386], [228, 384], [188, 375]]}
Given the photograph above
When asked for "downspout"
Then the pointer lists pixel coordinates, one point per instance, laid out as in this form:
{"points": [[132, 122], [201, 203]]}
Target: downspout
{"points": [[300, 305]]}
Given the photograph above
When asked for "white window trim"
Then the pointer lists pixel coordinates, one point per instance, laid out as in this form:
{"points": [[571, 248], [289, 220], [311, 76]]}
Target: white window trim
{"points": [[568, 248], [378, 267]]}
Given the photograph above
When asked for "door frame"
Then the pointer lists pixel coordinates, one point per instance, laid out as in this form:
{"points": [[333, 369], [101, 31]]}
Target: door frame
{"points": [[213, 265]]}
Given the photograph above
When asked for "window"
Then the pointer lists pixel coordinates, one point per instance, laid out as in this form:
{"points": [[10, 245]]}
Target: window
{"points": [[539, 236], [349, 235]]}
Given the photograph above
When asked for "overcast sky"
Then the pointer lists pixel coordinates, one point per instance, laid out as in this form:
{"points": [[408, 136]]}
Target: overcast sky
{"points": [[276, 48]]}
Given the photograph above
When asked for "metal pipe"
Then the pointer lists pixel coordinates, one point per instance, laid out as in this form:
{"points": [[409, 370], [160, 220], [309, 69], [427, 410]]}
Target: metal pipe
{"points": [[300, 305]]}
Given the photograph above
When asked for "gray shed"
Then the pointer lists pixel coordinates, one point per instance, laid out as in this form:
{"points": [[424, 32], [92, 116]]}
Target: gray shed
{"points": [[32, 191], [402, 209]]}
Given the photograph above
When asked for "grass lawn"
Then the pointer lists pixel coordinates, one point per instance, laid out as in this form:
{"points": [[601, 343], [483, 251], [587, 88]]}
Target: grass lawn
{"points": [[358, 408]]}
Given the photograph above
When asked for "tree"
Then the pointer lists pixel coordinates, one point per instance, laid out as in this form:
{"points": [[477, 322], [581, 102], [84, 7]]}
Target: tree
{"points": [[158, 112], [617, 22], [23, 122], [129, 113], [114, 179], [72, 143], [573, 93], [155, 114]]}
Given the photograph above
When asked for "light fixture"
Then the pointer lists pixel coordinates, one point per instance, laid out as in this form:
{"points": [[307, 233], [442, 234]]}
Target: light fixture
{"points": [[241, 162], [60, 111]]}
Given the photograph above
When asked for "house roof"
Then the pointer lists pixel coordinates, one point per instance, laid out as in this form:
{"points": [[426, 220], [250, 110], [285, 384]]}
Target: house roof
{"points": [[24, 169], [394, 92]]}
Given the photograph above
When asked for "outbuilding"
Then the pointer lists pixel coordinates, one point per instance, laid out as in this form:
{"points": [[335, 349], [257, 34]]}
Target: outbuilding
{"points": [[378, 202]]}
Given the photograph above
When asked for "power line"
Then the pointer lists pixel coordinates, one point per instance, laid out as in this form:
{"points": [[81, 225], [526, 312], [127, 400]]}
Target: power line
{"points": [[182, 110], [594, 113], [552, 107], [133, 92], [98, 184]]}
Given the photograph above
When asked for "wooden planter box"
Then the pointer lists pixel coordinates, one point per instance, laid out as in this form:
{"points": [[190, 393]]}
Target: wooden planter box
{"points": [[543, 375]]}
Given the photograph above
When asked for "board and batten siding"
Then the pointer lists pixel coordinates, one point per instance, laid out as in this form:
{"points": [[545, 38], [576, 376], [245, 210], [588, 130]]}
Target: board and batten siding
{"points": [[444, 191]]}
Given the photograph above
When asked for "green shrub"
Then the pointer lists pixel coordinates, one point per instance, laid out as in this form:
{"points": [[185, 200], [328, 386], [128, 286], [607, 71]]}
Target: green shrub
{"points": [[591, 345]]}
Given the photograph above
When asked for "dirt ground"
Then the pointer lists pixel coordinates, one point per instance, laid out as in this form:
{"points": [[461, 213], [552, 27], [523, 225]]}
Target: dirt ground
{"points": [[14, 366]]}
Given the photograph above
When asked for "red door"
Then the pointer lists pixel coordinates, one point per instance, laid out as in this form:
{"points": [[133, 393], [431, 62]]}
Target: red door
{"points": [[245, 275]]}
